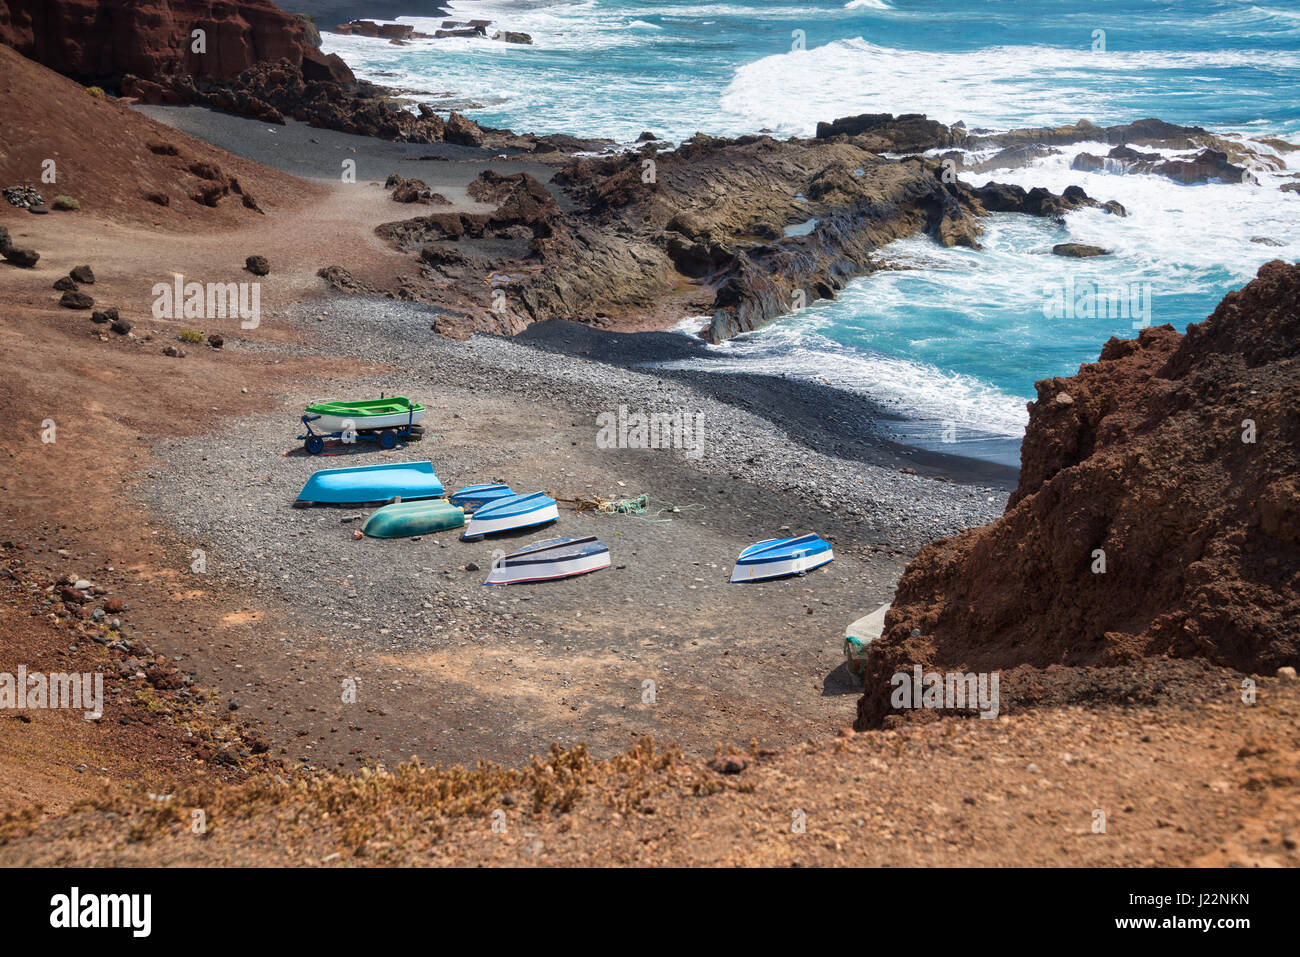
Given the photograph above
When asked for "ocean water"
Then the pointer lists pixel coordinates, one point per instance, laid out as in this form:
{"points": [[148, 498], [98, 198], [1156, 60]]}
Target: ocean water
{"points": [[959, 338]]}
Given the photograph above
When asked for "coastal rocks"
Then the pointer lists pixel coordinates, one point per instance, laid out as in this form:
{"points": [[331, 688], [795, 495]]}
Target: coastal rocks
{"points": [[886, 133], [413, 191], [744, 229], [1078, 250], [1203, 167], [1010, 198], [512, 36], [1157, 514], [461, 130], [257, 265]]}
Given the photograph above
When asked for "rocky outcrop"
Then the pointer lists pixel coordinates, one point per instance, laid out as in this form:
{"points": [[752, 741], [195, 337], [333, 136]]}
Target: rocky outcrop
{"points": [[744, 230], [886, 133], [105, 40], [1204, 166], [1158, 514], [1078, 250]]}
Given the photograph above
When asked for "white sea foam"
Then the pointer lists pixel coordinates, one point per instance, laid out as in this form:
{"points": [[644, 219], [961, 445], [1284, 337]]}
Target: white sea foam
{"points": [[994, 86]]}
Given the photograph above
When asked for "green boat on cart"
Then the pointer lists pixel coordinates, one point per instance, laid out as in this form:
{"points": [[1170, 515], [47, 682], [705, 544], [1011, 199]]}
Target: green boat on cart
{"points": [[366, 415], [402, 519]]}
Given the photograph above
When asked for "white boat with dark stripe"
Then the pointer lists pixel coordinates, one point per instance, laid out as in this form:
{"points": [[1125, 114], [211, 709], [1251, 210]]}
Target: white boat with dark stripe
{"points": [[511, 513], [546, 561]]}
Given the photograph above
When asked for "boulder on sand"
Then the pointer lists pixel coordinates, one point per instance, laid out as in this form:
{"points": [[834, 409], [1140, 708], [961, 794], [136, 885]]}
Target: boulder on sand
{"points": [[257, 265], [76, 300], [83, 275]]}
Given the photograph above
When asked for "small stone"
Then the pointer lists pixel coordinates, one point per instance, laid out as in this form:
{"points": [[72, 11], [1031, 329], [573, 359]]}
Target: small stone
{"points": [[1286, 673], [257, 265], [65, 284], [358, 534], [216, 341], [174, 352], [121, 326], [76, 300], [83, 274]]}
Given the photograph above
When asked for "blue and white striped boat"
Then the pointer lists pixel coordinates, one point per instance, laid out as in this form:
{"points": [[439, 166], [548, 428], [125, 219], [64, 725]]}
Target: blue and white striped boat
{"points": [[778, 557], [473, 497], [511, 513]]}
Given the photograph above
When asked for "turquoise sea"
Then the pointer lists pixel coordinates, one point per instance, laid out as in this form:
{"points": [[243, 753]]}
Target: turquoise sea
{"points": [[961, 337]]}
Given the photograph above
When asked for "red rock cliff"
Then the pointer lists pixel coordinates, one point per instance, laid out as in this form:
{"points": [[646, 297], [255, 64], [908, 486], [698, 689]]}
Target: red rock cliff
{"points": [[1176, 459], [108, 39]]}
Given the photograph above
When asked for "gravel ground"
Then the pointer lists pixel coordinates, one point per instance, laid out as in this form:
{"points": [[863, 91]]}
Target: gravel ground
{"points": [[522, 666]]}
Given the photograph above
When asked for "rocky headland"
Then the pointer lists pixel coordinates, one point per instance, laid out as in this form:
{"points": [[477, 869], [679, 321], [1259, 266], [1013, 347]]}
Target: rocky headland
{"points": [[1157, 515]]}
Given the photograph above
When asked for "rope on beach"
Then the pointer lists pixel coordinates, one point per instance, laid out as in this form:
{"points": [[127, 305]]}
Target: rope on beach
{"points": [[639, 507]]}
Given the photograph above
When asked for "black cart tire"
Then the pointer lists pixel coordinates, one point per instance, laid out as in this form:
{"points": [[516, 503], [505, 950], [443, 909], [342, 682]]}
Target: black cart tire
{"points": [[315, 445], [388, 439]]}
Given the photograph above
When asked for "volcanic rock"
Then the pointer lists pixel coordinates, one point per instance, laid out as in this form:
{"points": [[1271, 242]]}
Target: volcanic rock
{"points": [[83, 275], [65, 284], [27, 258], [257, 265], [1078, 250], [76, 300], [105, 40], [1157, 514]]}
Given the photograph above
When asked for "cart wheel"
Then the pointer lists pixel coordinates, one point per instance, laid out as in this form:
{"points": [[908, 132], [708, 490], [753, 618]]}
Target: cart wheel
{"points": [[315, 445], [388, 439]]}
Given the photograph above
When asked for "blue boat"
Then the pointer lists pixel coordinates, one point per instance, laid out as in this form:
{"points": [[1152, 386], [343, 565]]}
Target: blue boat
{"points": [[372, 483], [511, 513], [778, 557], [473, 497]]}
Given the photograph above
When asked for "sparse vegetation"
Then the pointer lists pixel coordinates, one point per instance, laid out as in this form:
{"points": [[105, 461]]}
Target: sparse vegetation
{"points": [[97, 92], [66, 203], [191, 335]]}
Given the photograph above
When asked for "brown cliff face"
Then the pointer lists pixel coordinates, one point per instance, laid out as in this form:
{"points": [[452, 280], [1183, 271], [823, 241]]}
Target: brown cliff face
{"points": [[1177, 459], [105, 40]]}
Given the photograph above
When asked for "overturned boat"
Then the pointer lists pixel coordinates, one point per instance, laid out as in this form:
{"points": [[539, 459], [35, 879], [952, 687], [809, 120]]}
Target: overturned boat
{"points": [[551, 559], [371, 483], [421, 517], [511, 513], [474, 497], [778, 557]]}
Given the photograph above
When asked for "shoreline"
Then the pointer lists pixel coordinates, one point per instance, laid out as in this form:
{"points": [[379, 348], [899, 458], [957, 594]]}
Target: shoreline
{"points": [[314, 153]]}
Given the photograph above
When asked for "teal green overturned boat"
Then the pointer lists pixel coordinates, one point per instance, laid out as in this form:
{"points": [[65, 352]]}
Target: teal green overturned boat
{"points": [[402, 519]]}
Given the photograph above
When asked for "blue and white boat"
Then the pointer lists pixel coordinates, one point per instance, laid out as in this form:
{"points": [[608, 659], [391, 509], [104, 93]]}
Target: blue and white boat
{"points": [[778, 557], [511, 513], [474, 497], [551, 559], [371, 483]]}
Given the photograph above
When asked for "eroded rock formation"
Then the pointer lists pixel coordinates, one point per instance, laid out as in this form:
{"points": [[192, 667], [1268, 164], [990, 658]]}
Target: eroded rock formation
{"points": [[1158, 514]]}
